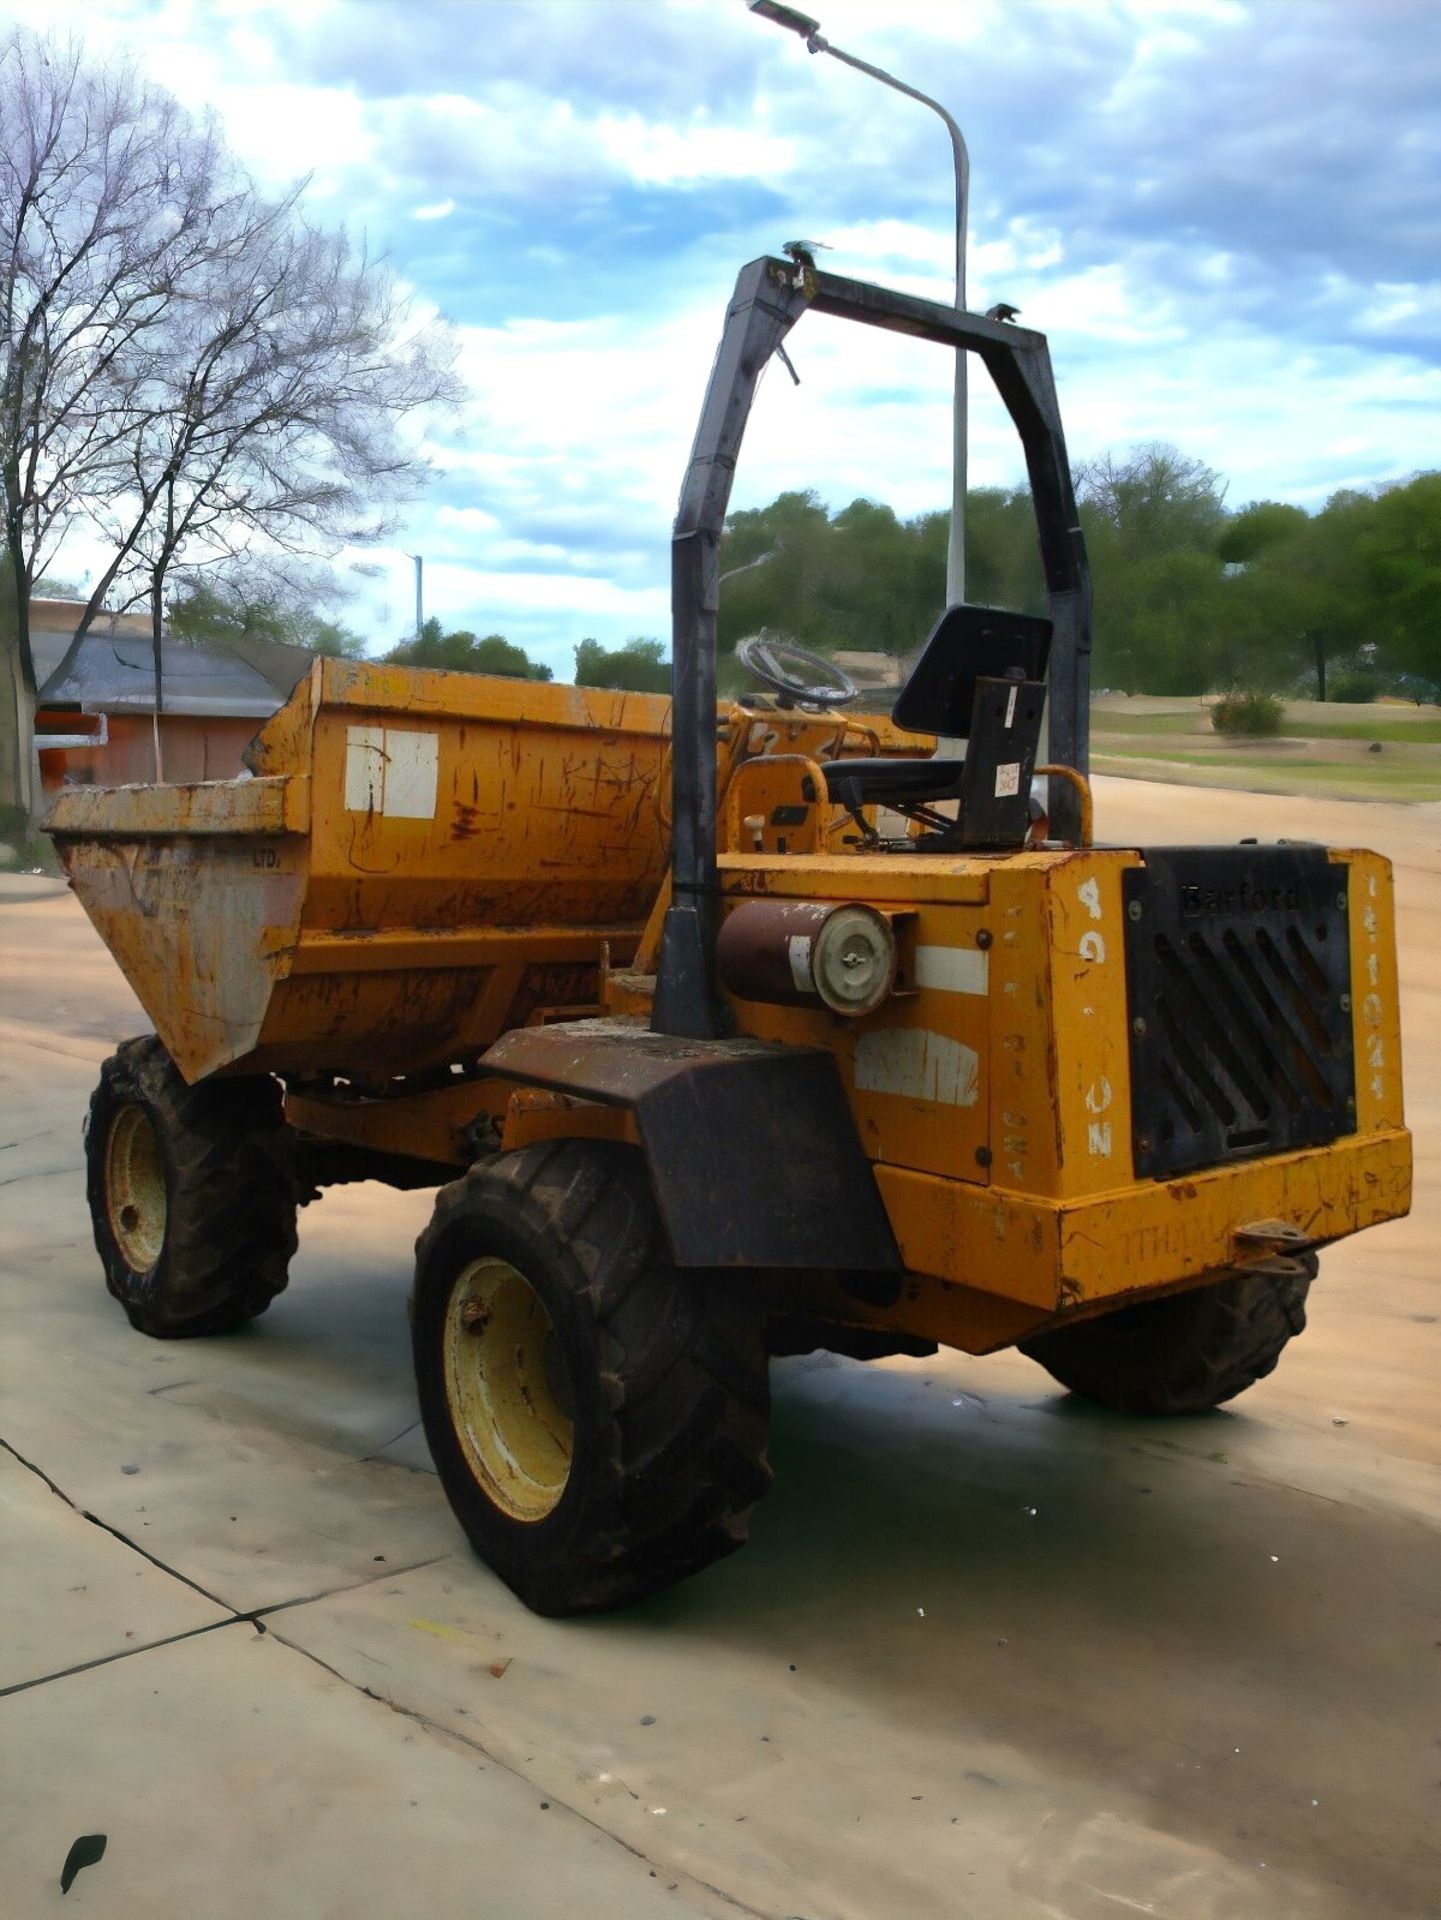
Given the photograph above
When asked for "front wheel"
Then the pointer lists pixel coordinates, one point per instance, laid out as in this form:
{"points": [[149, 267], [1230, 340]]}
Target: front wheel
{"points": [[190, 1199], [598, 1419], [1185, 1352]]}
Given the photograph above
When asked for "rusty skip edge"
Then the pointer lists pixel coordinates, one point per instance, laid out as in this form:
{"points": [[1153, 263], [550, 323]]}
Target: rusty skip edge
{"points": [[274, 804]]}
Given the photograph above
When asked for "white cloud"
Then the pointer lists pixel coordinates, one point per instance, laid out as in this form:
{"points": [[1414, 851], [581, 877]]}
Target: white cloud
{"points": [[661, 155], [1149, 189]]}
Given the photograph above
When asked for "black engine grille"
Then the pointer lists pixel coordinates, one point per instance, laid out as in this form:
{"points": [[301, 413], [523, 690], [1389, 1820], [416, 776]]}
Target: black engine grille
{"points": [[1238, 976]]}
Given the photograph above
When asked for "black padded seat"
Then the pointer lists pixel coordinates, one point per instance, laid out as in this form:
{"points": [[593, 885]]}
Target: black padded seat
{"points": [[878, 783]]}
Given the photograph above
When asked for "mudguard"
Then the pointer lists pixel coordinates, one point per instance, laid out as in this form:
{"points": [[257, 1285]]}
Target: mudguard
{"points": [[752, 1150]]}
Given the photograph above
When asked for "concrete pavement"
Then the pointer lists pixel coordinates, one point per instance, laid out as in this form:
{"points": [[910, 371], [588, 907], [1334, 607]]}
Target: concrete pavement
{"points": [[989, 1652]]}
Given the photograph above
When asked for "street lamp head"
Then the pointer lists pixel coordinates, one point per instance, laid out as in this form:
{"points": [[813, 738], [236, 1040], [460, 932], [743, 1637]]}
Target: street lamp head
{"points": [[788, 17]]}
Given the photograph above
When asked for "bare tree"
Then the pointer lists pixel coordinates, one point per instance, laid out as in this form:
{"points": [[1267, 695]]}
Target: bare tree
{"points": [[276, 419], [1154, 497], [289, 599], [189, 367], [107, 196]]}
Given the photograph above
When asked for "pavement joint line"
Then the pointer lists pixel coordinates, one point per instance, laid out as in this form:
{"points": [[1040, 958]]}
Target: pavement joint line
{"points": [[25, 1139], [258, 1614], [400, 1466], [393, 1441], [434, 1727], [127, 1653], [254, 1616], [123, 1538]]}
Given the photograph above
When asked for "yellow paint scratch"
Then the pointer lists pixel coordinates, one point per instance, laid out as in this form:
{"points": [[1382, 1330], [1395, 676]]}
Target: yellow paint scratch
{"points": [[442, 1632]]}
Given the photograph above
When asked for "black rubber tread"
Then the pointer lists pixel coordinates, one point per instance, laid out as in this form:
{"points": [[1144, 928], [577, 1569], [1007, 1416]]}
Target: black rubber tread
{"points": [[1185, 1352], [230, 1201], [667, 1370]]}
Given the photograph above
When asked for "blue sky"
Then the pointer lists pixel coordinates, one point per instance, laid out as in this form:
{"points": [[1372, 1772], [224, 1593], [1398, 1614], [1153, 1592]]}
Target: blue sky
{"points": [[1227, 217]]}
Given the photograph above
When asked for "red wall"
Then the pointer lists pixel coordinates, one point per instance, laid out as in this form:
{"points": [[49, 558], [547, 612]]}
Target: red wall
{"points": [[191, 749]]}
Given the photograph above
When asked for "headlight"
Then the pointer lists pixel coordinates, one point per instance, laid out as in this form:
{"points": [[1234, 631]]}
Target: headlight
{"points": [[853, 960]]}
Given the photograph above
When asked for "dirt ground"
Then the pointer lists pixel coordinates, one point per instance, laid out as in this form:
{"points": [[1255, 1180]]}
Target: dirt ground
{"points": [[990, 1652]]}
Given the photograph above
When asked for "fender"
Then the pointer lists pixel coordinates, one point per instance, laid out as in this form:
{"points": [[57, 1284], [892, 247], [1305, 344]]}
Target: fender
{"points": [[752, 1150]]}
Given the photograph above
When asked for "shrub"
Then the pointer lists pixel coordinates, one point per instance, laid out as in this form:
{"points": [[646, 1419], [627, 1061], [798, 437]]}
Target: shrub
{"points": [[1356, 686], [1255, 716]]}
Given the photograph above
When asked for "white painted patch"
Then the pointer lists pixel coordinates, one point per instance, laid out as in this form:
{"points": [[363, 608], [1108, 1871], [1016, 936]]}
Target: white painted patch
{"points": [[1008, 780], [799, 952], [953, 969], [918, 1065], [1099, 1138], [1093, 947], [1089, 895], [364, 768], [392, 770], [1011, 709], [411, 773]]}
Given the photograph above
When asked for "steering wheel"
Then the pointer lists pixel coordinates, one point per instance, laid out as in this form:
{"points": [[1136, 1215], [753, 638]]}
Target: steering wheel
{"points": [[797, 676]]}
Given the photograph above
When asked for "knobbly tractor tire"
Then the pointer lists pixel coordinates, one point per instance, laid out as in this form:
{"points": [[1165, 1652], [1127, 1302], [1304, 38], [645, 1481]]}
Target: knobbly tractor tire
{"points": [[191, 1202], [598, 1419], [1184, 1353]]}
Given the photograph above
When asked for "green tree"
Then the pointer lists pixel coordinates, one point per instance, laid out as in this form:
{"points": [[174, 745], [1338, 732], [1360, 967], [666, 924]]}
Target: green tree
{"points": [[1155, 498], [863, 579], [202, 609], [1003, 558], [461, 652], [1257, 528], [1400, 564], [1188, 598], [785, 549], [1301, 602], [1152, 518], [640, 666]]}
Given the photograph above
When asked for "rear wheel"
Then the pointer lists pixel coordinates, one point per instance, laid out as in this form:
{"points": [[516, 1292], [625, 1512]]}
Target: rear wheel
{"points": [[192, 1206], [1186, 1352], [598, 1419]]}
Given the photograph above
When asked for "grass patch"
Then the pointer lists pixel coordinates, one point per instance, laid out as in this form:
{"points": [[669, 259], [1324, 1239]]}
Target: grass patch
{"points": [[1108, 720], [1421, 732], [1424, 733], [1321, 778]]}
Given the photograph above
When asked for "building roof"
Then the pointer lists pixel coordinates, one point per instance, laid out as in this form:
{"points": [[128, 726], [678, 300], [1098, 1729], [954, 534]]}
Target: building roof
{"points": [[114, 673]]}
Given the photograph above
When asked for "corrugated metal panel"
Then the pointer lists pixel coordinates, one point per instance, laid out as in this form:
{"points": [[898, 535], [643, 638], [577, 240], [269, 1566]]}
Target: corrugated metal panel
{"points": [[115, 673]]}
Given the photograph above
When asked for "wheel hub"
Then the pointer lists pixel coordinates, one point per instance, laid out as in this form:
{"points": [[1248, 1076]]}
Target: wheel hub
{"points": [[506, 1389], [135, 1198]]}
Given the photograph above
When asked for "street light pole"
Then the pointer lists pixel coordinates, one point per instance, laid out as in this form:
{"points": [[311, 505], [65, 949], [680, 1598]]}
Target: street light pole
{"points": [[809, 31], [419, 594]]}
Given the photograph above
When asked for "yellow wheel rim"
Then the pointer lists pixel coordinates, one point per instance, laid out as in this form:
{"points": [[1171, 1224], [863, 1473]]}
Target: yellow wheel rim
{"points": [[506, 1389], [135, 1202]]}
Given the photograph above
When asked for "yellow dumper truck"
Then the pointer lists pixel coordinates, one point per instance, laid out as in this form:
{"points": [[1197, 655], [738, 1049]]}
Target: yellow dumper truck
{"points": [[734, 1030]]}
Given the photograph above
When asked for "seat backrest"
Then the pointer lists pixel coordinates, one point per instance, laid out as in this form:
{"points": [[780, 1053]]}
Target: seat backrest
{"points": [[969, 644], [995, 786]]}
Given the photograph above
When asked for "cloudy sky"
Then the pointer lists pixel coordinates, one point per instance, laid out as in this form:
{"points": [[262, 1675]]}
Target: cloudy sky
{"points": [[1226, 216]]}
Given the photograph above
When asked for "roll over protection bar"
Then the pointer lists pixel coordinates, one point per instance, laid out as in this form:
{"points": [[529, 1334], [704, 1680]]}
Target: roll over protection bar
{"points": [[770, 296]]}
